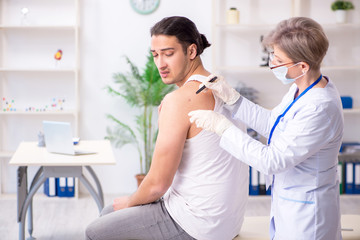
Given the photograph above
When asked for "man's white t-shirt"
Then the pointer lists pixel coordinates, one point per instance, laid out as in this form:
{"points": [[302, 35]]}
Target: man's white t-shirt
{"points": [[209, 192]]}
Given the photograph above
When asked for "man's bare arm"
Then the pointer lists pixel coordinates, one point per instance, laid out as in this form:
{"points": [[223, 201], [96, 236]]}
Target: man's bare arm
{"points": [[173, 129]]}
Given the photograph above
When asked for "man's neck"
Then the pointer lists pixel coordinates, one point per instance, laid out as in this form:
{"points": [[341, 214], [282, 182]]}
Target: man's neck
{"points": [[195, 68]]}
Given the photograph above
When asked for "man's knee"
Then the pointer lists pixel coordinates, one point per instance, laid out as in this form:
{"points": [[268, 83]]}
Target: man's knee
{"points": [[89, 233], [106, 210]]}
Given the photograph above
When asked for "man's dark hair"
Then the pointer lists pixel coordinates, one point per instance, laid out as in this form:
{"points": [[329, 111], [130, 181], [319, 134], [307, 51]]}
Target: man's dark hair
{"points": [[184, 30]]}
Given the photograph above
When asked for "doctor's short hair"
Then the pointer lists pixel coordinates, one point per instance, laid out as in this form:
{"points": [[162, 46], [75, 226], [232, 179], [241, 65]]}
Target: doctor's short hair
{"points": [[184, 30], [302, 39]]}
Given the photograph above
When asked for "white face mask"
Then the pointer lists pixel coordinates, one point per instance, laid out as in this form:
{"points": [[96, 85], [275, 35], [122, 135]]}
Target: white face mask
{"points": [[281, 72]]}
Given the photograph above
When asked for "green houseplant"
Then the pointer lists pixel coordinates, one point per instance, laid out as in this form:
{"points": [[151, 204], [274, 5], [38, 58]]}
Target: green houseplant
{"points": [[144, 91], [341, 8], [342, 5]]}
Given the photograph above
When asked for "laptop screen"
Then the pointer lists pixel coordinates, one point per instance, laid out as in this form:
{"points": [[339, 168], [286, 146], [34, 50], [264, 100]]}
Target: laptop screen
{"points": [[58, 137]]}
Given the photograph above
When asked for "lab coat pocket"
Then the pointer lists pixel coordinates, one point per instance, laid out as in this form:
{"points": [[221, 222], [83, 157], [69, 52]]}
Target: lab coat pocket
{"points": [[295, 215]]}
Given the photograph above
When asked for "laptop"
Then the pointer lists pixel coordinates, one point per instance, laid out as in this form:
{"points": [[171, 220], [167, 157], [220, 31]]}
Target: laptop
{"points": [[59, 139]]}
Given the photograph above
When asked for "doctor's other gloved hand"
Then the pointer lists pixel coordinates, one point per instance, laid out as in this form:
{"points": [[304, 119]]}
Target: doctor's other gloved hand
{"points": [[222, 89], [210, 121]]}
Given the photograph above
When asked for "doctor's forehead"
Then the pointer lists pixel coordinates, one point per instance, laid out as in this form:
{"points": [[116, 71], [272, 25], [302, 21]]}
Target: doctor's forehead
{"points": [[279, 53], [164, 42]]}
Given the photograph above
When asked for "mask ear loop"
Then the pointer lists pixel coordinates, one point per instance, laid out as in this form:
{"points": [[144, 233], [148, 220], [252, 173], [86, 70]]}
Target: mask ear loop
{"points": [[303, 72]]}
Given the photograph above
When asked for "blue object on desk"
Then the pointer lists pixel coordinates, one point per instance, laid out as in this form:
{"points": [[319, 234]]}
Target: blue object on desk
{"points": [[347, 101], [76, 140]]}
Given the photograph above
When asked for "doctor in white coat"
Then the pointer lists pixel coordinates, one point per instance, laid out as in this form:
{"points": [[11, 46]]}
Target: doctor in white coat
{"points": [[304, 134]]}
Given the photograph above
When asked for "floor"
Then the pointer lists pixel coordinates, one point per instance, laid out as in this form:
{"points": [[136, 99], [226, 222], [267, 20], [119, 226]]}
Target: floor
{"points": [[63, 218]]}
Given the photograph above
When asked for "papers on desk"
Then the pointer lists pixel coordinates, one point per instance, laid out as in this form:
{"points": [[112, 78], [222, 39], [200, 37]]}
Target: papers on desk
{"points": [[61, 187]]}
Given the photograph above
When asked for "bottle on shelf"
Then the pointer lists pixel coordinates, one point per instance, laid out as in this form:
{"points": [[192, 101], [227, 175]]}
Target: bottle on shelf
{"points": [[232, 16]]}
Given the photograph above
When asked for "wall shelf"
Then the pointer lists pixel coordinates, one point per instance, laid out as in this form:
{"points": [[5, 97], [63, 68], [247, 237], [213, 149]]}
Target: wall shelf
{"points": [[64, 112], [244, 69], [6, 155], [54, 70], [238, 53], [39, 27], [30, 77], [351, 111], [342, 68], [341, 26], [245, 27]]}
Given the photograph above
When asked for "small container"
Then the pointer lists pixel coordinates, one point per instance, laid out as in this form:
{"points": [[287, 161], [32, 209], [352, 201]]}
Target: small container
{"points": [[347, 102], [41, 139], [232, 16]]}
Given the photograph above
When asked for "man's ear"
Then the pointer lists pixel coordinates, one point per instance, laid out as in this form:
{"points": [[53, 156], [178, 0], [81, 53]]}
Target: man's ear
{"points": [[192, 51]]}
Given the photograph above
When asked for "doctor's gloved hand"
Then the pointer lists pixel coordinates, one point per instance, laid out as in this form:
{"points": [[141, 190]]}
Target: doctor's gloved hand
{"points": [[210, 121], [222, 89]]}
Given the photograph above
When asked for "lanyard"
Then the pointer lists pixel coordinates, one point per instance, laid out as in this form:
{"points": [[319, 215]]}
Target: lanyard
{"points": [[292, 103]]}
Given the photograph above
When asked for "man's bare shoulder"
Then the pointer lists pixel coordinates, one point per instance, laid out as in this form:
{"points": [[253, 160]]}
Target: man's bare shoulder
{"points": [[177, 104], [173, 97], [178, 98], [171, 106], [186, 97]]}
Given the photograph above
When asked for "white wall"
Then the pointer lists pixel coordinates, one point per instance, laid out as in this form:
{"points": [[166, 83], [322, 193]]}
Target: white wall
{"points": [[109, 30]]}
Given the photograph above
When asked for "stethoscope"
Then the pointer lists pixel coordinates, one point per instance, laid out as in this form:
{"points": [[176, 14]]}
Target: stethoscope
{"points": [[291, 104]]}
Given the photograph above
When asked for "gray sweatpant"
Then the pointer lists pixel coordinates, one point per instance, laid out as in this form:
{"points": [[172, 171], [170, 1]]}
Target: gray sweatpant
{"points": [[150, 221]]}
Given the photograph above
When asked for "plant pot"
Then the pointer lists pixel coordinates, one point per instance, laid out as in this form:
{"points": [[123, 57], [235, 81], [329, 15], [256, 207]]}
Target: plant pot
{"points": [[341, 16], [139, 178]]}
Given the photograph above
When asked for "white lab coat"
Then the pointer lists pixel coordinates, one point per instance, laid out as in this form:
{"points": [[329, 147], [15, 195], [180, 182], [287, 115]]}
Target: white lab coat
{"points": [[301, 160]]}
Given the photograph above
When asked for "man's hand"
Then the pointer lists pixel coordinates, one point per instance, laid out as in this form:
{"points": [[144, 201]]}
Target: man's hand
{"points": [[222, 89], [121, 203], [210, 121]]}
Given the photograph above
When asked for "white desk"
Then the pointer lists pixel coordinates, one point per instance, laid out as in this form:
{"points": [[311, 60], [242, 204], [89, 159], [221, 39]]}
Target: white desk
{"points": [[56, 165]]}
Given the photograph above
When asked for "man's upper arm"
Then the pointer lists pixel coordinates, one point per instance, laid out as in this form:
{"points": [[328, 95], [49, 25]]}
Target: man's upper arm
{"points": [[173, 128]]}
